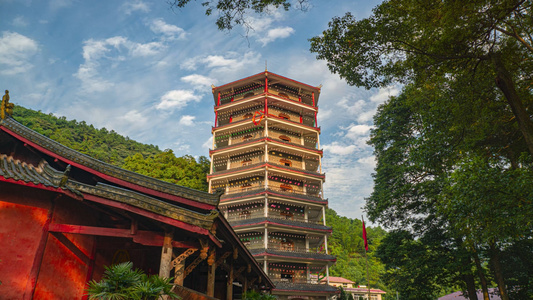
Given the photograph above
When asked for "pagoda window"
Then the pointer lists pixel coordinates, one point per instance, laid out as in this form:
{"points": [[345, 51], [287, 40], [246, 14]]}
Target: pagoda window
{"points": [[287, 275], [247, 137], [247, 116], [285, 187], [246, 162], [287, 246], [283, 95], [285, 138], [245, 214], [286, 162], [284, 116], [287, 215]]}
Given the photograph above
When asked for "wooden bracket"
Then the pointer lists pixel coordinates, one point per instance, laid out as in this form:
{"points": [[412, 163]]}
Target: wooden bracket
{"points": [[238, 272], [193, 265], [221, 259], [176, 262]]}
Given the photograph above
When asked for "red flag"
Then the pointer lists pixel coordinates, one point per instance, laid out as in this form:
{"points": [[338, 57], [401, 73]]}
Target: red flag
{"points": [[364, 236]]}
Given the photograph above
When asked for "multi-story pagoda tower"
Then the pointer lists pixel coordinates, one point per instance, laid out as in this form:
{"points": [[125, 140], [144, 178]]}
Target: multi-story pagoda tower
{"points": [[266, 158]]}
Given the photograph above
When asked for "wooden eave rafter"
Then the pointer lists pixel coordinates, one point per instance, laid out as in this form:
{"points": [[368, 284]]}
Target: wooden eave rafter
{"points": [[147, 238]]}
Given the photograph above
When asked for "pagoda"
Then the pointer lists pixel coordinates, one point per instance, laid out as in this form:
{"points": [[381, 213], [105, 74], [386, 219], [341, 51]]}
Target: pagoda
{"points": [[266, 159]]}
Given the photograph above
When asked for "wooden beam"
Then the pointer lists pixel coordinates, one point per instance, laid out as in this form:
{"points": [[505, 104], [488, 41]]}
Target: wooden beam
{"points": [[166, 256], [229, 287], [147, 238], [39, 254], [211, 270]]}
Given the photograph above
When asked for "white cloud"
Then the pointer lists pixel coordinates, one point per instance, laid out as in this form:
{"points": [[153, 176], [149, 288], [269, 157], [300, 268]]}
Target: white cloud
{"points": [[276, 33], [336, 148], [199, 81], [208, 144], [232, 61], [138, 5], [57, 4], [187, 120], [384, 94], [20, 21], [16, 51], [134, 117], [177, 99], [171, 32], [368, 162], [96, 52], [355, 131]]}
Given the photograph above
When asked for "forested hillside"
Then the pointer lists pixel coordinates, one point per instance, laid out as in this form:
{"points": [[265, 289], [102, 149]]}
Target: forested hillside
{"points": [[346, 242], [115, 149]]}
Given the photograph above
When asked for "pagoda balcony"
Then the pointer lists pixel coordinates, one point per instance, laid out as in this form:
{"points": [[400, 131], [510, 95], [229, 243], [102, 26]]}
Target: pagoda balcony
{"points": [[272, 190], [276, 167], [287, 253], [259, 136], [313, 225]]}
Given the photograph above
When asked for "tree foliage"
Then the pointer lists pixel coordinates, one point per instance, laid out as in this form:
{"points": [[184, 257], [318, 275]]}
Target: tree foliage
{"points": [[185, 170], [112, 148], [102, 144], [346, 243], [231, 13], [415, 41]]}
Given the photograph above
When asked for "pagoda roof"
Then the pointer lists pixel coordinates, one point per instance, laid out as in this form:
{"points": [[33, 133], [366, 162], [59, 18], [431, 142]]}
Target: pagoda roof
{"points": [[261, 76], [308, 256], [304, 287]]}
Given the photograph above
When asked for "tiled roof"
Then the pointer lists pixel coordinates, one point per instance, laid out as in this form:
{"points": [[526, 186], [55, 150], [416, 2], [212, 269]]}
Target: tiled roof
{"points": [[101, 167], [260, 191], [334, 279], [288, 286], [42, 174], [289, 254]]}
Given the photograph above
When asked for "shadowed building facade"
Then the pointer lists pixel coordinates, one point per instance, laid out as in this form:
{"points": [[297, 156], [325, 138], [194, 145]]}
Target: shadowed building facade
{"points": [[266, 160]]}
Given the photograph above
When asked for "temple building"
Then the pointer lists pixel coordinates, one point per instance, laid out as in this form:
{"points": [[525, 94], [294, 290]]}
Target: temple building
{"points": [[65, 216], [266, 160]]}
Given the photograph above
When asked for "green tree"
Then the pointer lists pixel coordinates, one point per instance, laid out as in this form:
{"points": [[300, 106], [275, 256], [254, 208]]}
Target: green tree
{"points": [[233, 13], [185, 170], [121, 281], [416, 41]]}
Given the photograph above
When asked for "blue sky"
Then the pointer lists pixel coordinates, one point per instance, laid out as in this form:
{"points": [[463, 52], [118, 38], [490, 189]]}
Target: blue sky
{"points": [[145, 71]]}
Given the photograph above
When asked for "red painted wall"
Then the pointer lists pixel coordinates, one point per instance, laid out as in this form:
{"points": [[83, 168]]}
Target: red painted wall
{"points": [[59, 271], [21, 221]]}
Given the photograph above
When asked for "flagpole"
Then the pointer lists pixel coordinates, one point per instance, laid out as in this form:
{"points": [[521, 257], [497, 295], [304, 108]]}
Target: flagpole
{"points": [[366, 257]]}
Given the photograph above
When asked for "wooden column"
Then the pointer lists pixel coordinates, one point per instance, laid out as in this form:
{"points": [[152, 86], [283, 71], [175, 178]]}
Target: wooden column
{"points": [[229, 288], [166, 256], [211, 269]]}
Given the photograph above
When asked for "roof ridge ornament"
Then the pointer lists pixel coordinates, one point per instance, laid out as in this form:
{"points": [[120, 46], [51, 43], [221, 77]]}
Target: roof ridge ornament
{"points": [[6, 108]]}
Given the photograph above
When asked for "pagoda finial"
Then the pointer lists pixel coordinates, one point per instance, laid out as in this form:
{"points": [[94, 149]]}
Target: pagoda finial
{"points": [[6, 108], [266, 69]]}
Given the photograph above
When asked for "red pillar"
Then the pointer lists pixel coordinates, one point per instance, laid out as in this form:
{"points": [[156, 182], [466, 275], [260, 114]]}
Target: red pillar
{"points": [[216, 118], [218, 98]]}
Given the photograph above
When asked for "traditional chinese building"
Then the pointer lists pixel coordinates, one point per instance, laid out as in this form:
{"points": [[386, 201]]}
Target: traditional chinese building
{"points": [[266, 159], [64, 216]]}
